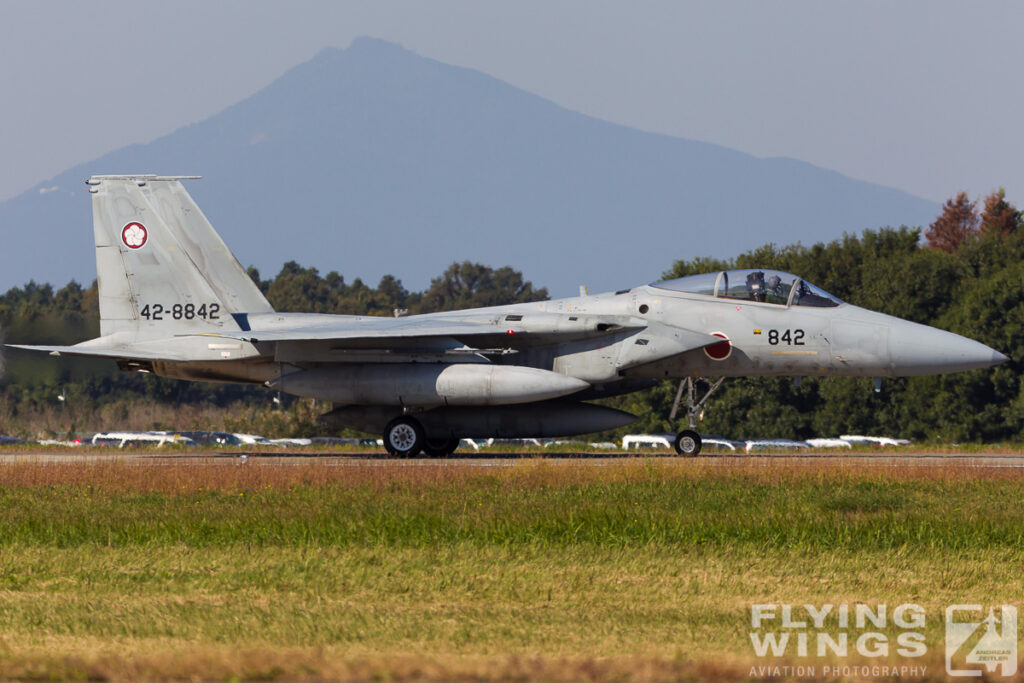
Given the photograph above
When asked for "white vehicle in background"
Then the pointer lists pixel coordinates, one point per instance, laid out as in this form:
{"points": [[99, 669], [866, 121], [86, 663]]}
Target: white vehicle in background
{"points": [[122, 439], [291, 442], [829, 443], [775, 444], [874, 440], [637, 441], [667, 442], [206, 438], [252, 439], [720, 443]]}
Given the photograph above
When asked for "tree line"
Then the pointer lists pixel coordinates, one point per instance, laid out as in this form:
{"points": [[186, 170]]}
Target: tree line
{"points": [[966, 276]]}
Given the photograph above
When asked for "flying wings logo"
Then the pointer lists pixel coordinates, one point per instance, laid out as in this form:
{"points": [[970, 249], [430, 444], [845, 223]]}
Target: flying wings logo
{"points": [[134, 235], [976, 640]]}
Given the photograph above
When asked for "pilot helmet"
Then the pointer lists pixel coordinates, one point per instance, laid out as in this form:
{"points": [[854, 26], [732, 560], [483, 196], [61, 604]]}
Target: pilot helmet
{"points": [[755, 281]]}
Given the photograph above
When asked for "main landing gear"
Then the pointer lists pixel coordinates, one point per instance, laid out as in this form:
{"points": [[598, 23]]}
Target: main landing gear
{"points": [[687, 442], [440, 448], [404, 438]]}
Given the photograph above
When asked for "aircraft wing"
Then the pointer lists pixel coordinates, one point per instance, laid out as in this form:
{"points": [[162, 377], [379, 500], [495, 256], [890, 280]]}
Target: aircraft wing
{"points": [[484, 332], [511, 329], [308, 338]]}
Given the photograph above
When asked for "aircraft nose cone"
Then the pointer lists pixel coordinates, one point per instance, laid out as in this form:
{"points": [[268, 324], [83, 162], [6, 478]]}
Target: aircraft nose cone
{"points": [[922, 350]]}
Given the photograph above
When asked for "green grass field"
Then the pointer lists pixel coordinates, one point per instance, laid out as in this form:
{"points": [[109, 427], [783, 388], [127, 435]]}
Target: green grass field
{"points": [[634, 570]]}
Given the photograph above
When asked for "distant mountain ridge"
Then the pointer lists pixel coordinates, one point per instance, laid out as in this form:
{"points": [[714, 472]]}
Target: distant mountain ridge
{"points": [[373, 160]]}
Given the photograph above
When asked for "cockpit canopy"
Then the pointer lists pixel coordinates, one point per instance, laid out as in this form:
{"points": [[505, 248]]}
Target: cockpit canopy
{"points": [[765, 286]]}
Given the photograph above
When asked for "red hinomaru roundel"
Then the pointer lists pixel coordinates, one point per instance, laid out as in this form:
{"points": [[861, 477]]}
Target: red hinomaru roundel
{"points": [[134, 235], [721, 350]]}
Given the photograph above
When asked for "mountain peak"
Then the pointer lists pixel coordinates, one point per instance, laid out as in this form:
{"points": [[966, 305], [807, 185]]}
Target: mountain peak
{"points": [[362, 48], [365, 50], [368, 45]]}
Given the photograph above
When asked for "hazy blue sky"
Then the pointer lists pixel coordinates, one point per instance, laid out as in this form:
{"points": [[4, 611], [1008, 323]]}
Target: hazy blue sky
{"points": [[923, 96]]}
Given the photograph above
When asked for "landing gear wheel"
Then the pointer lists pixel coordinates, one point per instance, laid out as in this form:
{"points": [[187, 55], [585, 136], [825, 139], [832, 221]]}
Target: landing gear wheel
{"points": [[688, 443], [440, 448], [403, 437]]}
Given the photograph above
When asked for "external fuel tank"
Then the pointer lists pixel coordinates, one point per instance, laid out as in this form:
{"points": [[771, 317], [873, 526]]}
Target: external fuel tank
{"points": [[427, 385]]}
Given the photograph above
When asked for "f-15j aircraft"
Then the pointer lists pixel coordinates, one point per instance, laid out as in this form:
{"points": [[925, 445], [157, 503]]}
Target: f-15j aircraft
{"points": [[174, 301]]}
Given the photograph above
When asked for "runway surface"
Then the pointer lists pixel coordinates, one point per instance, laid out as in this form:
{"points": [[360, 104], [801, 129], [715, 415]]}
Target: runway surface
{"points": [[370, 459]]}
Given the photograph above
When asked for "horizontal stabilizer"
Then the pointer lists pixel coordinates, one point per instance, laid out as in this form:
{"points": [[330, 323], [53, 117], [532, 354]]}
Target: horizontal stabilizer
{"points": [[119, 353], [182, 348]]}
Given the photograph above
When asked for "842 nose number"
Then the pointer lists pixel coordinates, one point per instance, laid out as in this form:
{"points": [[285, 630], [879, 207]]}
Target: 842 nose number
{"points": [[789, 337], [181, 312]]}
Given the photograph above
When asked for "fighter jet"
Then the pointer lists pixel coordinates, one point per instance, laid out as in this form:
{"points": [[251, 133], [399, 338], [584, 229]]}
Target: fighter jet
{"points": [[174, 301]]}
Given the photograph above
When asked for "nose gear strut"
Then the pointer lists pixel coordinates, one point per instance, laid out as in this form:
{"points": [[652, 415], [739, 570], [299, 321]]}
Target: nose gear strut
{"points": [[687, 442]]}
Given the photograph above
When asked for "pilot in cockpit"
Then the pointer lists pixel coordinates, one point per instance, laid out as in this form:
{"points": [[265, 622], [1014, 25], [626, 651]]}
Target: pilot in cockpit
{"points": [[755, 285]]}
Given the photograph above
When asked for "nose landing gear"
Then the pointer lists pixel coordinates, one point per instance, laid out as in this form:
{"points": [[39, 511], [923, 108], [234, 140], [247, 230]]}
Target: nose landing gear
{"points": [[688, 442]]}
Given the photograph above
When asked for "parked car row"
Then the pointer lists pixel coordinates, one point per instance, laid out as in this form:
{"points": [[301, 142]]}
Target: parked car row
{"points": [[664, 441], [191, 438], [630, 442]]}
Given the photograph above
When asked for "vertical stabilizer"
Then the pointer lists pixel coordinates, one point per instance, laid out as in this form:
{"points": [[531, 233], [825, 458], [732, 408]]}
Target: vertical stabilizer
{"points": [[161, 268]]}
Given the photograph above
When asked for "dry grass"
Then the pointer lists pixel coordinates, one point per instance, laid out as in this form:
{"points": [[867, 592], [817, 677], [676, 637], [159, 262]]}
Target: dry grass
{"points": [[183, 475], [172, 660]]}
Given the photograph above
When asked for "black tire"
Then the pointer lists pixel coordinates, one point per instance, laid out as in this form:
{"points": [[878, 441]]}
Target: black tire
{"points": [[440, 448], [688, 443], [403, 437]]}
